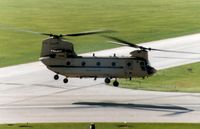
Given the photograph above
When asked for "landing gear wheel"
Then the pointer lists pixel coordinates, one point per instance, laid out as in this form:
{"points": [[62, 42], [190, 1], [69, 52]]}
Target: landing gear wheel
{"points": [[115, 83], [107, 80], [65, 80], [56, 77]]}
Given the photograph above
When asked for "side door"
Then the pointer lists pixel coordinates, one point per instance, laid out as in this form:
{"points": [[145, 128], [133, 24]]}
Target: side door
{"points": [[128, 68]]}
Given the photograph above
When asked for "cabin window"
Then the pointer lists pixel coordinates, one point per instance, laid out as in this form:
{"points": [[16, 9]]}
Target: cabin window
{"points": [[113, 64], [98, 63], [68, 63], [129, 64], [52, 55], [83, 63]]}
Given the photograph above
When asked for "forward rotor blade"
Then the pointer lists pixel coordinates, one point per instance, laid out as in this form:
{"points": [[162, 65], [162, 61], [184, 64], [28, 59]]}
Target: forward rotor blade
{"points": [[123, 42], [173, 51], [88, 33], [183, 58]]}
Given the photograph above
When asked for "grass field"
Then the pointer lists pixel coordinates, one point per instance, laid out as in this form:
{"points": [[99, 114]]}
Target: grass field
{"points": [[101, 126], [183, 79], [136, 20]]}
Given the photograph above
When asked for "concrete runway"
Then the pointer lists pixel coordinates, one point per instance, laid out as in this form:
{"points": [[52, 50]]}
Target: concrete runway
{"points": [[28, 93]]}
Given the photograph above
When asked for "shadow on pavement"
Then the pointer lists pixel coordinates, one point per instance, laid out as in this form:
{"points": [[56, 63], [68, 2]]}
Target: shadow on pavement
{"points": [[173, 110]]}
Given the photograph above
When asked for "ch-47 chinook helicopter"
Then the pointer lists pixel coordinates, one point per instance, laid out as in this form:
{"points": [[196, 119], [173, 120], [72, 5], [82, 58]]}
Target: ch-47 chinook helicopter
{"points": [[59, 56]]}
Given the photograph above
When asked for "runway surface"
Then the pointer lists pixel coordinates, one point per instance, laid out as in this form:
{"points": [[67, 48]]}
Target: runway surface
{"points": [[28, 93]]}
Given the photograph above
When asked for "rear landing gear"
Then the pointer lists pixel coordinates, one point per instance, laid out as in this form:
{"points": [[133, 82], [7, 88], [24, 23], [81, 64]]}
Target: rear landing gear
{"points": [[65, 80], [56, 77]]}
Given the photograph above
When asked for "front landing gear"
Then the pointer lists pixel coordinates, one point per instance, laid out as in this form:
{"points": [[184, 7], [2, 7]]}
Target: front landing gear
{"points": [[115, 83], [107, 80]]}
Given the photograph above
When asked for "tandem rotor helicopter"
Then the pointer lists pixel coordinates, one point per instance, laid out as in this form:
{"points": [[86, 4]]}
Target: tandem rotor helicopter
{"points": [[60, 57]]}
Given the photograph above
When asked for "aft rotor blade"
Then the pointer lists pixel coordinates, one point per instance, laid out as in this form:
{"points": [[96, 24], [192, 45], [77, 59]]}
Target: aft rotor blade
{"points": [[88, 33], [5, 27], [28, 31]]}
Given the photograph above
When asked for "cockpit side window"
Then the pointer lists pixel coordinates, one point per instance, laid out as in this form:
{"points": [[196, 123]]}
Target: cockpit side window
{"points": [[142, 65], [129, 64]]}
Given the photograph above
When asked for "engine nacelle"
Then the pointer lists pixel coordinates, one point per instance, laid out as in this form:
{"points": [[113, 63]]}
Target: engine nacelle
{"points": [[139, 54]]}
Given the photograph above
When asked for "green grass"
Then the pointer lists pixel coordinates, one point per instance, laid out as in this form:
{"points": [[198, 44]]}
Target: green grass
{"points": [[101, 126], [136, 20], [183, 79]]}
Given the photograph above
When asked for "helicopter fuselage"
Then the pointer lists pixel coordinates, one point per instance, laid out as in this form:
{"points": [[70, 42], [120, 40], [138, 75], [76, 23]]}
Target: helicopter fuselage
{"points": [[59, 56], [99, 67]]}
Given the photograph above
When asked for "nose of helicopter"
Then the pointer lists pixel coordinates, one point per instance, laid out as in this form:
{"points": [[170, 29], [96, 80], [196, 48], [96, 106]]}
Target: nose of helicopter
{"points": [[151, 70]]}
